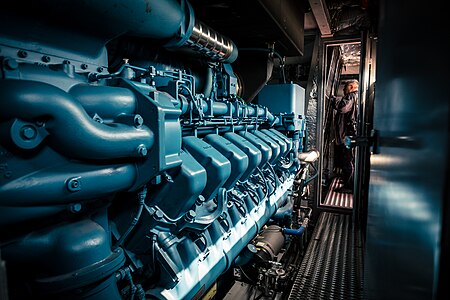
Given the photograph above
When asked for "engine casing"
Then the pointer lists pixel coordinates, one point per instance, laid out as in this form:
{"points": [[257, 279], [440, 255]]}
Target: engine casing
{"points": [[141, 178]]}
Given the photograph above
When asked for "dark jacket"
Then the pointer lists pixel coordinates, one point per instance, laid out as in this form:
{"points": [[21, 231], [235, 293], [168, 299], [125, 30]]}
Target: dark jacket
{"points": [[345, 119]]}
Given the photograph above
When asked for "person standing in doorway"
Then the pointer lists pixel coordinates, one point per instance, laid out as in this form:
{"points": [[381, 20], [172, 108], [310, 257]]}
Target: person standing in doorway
{"points": [[345, 125]]}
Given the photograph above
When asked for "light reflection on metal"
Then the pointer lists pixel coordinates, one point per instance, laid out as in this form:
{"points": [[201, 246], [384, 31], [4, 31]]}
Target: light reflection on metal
{"points": [[408, 177], [322, 16], [206, 40]]}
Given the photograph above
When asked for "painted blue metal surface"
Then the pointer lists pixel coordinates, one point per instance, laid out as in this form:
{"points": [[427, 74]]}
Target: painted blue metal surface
{"points": [[408, 173], [237, 158], [117, 181], [283, 98]]}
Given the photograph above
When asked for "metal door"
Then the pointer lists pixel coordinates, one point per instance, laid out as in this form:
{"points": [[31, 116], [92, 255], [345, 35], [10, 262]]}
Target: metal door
{"points": [[409, 166]]}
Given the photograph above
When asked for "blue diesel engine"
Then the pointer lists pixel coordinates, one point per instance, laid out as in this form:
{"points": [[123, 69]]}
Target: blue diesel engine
{"points": [[129, 166]]}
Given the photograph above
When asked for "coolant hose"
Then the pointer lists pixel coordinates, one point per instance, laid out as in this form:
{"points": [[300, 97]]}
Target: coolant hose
{"points": [[299, 231]]}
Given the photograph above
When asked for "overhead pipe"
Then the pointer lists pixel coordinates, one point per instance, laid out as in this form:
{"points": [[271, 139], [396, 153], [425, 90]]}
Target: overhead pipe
{"points": [[170, 21], [212, 44]]}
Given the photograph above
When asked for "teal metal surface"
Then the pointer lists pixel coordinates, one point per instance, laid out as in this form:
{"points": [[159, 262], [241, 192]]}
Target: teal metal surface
{"points": [[123, 174], [409, 171], [283, 98]]}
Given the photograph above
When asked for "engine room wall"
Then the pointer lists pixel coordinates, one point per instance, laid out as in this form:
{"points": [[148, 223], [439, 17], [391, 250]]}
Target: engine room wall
{"points": [[410, 165]]}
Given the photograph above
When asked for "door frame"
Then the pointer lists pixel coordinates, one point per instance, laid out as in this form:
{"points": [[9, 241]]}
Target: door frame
{"points": [[361, 160]]}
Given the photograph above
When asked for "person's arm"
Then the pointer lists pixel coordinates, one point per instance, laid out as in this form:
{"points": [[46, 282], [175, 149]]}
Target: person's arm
{"points": [[345, 104]]}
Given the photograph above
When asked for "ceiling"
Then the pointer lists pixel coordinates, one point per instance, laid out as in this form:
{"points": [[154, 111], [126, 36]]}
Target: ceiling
{"points": [[257, 23], [290, 26]]}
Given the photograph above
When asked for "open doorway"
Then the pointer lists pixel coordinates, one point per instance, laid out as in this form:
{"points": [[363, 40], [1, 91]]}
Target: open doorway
{"points": [[340, 113]]}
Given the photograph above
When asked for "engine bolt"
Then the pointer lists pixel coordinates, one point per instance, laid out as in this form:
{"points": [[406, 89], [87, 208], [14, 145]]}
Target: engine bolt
{"points": [[190, 215], [75, 207], [138, 120], [73, 184], [45, 58], [99, 69], [28, 132], [158, 215], [200, 200], [11, 64], [22, 54], [142, 150], [84, 66]]}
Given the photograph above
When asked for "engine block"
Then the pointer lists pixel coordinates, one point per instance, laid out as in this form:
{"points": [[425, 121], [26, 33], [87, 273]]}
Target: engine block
{"points": [[138, 177]]}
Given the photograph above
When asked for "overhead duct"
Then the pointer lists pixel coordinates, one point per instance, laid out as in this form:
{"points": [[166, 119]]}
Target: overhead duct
{"points": [[212, 44], [169, 21]]}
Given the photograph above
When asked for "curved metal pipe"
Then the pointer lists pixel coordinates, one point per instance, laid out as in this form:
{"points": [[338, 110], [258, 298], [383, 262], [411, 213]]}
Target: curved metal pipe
{"points": [[141, 196], [285, 210], [208, 85], [71, 129], [106, 101], [165, 20], [69, 257], [58, 186]]}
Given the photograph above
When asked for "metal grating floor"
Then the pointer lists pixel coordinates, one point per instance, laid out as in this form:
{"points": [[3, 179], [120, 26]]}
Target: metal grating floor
{"points": [[336, 199], [333, 264]]}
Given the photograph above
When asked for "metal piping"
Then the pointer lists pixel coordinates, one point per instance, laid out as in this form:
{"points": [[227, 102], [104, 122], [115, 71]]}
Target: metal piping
{"points": [[72, 131], [94, 97], [56, 185], [207, 41], [167, 20]]}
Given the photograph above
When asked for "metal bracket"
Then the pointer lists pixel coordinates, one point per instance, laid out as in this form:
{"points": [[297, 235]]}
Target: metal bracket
{"points": [[366, 141]]}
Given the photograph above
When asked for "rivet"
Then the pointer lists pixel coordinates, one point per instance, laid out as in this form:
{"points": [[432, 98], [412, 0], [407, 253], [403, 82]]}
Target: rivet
{"points": [[76, 207], [22, 54], [45, 58], [11, 64], [142, 150], [73, 184], [84, 66], [138, 121]]}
